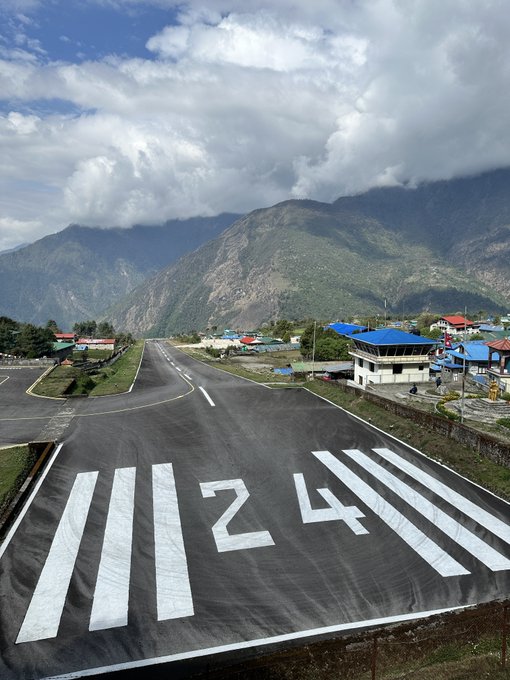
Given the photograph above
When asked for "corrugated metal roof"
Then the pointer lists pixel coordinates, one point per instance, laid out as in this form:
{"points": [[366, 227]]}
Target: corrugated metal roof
{"points": [[346, 328], [392, 336], [503, 345], [457, 320], [321, 366]]}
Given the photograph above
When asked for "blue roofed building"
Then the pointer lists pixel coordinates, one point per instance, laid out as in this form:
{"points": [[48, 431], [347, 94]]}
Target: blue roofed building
{"points": [[390, 356], [474, 355], [346, 328]]}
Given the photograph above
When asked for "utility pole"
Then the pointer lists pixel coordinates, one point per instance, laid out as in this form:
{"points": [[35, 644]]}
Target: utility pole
{"points": [[313, 349], [463, 388]]}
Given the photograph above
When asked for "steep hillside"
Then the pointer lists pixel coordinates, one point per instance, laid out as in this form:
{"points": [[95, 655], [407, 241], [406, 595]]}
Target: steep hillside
{"points": [[79, 272], [442, 246]]}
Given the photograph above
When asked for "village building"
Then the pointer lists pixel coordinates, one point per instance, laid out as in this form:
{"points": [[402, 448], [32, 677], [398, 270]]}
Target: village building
{"points": [[65, 337], [473, 355], [96, 343], [455, 325], [390, 356], [499, 363]]}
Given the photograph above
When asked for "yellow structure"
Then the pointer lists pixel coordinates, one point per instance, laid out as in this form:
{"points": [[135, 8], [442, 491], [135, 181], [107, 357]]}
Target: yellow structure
{"points": [[493, 390]]}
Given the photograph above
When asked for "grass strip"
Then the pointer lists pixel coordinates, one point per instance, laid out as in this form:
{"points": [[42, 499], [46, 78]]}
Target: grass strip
{"points": [[119, 376], [15, 464], [68, 381]]}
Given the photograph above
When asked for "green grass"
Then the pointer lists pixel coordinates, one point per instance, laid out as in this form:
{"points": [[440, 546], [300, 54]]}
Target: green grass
{"points": [[119, 376], [15, 464], [64, 381]]}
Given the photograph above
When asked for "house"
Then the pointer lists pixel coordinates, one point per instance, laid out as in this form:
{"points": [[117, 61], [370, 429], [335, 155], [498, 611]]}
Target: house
{"points": [[391, 356], [62, 350], [97, 343], [499, 368], [455, 325], [65, 337], [472, 354]]}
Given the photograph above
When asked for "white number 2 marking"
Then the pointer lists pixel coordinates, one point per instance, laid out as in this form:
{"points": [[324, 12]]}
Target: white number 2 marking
{"points": [[336, 510], [224, 540]]}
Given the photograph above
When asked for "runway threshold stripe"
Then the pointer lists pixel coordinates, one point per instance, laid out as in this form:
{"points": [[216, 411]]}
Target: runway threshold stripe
{"points": [[173, 590], [475, 512], [408, 532], [45, 610], [211, 402], [111, 596], [458, 533]]}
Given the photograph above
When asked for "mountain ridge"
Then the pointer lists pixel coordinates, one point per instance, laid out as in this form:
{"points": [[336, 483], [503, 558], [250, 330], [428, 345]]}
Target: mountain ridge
{"points": [[78, 272], [439, 246]]}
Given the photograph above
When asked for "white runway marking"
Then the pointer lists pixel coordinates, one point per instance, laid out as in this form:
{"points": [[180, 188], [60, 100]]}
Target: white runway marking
{"points": [[416, 539], [174, 598], [187, 376], [111, 596], [45, 610], [465, 538], [178, 369], [211, 402], [486, 519], [2, 380], [225, 541], [335, 511]]}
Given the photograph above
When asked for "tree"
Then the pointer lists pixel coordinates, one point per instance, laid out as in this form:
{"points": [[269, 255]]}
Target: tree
{"points": [[85, 329], [8, 331], [425, 320], [433, 334], [281, 327], [328, 344], [105, 330], [33, 342], [52, 325]]}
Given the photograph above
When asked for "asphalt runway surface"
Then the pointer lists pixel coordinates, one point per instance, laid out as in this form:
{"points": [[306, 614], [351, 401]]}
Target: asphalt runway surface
{"points": [[203, 514]]}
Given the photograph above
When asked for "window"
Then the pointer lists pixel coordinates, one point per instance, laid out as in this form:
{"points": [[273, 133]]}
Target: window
{"points": [[360, 363], [371, 366], [397, 368], [420, 367]]}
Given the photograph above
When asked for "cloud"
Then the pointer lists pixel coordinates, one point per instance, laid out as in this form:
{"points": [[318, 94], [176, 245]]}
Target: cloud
{"points": [[239, 108]]}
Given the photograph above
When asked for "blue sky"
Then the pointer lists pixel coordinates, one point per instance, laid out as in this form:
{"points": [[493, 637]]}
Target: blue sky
{"points": [[76, 31], [116, 112]]}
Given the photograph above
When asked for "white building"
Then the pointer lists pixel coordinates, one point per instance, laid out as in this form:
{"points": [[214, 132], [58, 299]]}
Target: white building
{"points": [[391, 356]]}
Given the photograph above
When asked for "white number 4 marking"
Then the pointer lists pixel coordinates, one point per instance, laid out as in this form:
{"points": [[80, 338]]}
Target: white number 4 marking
{"points": [[224, 540], [335, 511]]}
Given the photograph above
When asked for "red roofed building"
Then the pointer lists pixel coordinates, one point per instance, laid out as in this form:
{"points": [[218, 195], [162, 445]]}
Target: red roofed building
{"points": [[500, 371], [248, 340], [65, 337], [455, 325]]}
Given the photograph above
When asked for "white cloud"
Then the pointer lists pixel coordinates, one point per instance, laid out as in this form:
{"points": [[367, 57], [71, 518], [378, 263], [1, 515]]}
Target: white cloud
{"points": [[246, 105], [15, 232]]}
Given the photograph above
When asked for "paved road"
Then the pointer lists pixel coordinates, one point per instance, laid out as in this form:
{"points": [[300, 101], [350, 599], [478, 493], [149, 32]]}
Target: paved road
{"points": [[202, 513]]}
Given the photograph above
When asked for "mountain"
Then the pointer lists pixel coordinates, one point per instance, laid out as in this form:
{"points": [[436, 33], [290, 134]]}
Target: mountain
{"points": [[79, 272], [441, 246], [12, 250]]}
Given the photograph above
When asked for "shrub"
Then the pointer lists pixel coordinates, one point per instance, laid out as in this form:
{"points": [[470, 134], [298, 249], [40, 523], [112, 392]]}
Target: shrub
{"points": [[504, 421]]}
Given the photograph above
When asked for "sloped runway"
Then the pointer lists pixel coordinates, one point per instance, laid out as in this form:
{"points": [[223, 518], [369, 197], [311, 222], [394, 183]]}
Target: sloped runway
{"points": [[203, 514]]}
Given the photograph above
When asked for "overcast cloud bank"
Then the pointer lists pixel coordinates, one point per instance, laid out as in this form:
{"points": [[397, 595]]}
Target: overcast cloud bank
{"points": [[241, 105]]}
